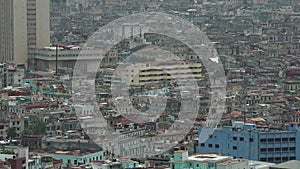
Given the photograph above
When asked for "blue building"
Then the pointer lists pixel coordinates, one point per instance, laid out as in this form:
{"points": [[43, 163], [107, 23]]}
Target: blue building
{"points": [[246, 141]]}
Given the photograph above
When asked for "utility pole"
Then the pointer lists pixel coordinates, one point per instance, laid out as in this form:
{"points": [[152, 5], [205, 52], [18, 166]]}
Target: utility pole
{"points": [[56, 59]]}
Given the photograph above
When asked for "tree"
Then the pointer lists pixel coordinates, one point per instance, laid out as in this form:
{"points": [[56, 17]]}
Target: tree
{"points": [[36, 127], [11, 132]]}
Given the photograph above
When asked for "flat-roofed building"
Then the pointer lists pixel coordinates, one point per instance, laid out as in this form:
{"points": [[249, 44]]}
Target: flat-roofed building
{"points": [[245, 140], [199, 161], [69, 56], [156, 72]]}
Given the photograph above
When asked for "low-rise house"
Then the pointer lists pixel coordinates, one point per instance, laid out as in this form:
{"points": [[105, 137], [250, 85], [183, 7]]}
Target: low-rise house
{"points": [[74, 158], [211, 161]]}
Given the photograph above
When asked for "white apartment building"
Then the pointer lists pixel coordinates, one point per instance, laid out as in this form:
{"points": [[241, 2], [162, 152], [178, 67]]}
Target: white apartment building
{"points": [[38, 23], [10, 75]]}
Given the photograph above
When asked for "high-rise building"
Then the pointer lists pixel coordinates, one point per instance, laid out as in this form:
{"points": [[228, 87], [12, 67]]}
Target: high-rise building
{"points": [[38, 23], [24, 25], [13, 31]]}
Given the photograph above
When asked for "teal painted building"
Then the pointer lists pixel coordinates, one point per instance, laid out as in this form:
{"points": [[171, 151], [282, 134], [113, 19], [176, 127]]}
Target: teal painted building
{"points": [[181, 160], [127, 163], [75, 158]]}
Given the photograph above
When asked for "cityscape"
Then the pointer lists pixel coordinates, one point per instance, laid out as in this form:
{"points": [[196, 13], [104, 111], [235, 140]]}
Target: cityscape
{"points": [[149, 84]]}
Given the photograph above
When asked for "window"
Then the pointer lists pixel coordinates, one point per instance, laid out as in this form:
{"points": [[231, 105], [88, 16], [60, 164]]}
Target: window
{"points": [[270, 149], [234, 147], [285, 139], [209, 145], [263, 150], [75, 162], [241, 138], [277, 149], [270, 140], [202, 145], [285, 149], [251, 140], [263, 159], [292, 148], [277, 159], [285, 158], [263, 140], [217, 146], [234, 138], [270, 159], [293, 139], [277, 140]]}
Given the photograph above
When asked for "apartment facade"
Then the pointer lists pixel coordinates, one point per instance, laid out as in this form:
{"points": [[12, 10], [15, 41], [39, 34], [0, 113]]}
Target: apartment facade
{"points": [[24, 25], [67, 57], [156, 72], [13, 31], [75, 158], [11, 75], [245, 141]]}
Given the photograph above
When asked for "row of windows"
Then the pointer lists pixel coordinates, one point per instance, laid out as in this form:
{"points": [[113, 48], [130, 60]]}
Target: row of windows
{"points": [[71, 55], [286, 149], [155, 70], [285, 139], [173, 166], [210, 145], [156, 80], [290, 149], [270, 159], [166, 79], [242, 139], [165, 74], [84, 161]]}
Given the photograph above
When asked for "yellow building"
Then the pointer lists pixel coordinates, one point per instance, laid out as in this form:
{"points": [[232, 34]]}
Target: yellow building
{"points": [[155, 72]]}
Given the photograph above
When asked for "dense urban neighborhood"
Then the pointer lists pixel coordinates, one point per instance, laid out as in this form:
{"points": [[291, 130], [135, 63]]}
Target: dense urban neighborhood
{"points": [[71, 97]]}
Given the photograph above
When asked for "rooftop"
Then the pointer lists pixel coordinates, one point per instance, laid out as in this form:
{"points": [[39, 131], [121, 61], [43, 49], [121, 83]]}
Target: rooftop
{"points": [[294, 164], [209, 157]]}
